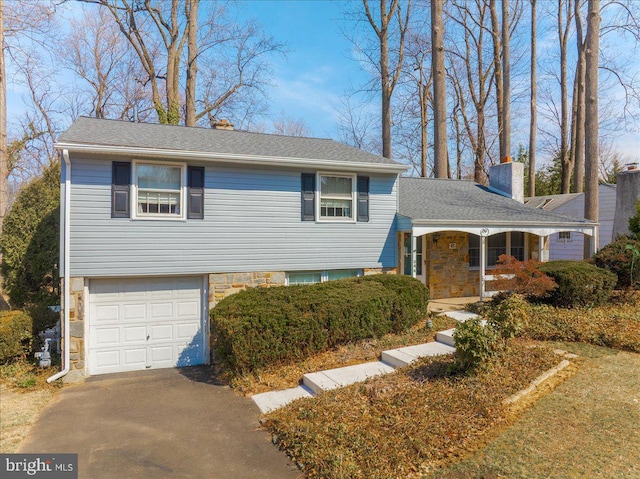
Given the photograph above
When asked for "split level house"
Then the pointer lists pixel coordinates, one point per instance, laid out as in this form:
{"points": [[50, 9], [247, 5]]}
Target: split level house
{"points": [[159, 223]]}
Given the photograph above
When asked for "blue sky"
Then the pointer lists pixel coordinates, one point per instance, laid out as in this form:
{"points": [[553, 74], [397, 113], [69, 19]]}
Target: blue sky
{"points": [[319, 66]]}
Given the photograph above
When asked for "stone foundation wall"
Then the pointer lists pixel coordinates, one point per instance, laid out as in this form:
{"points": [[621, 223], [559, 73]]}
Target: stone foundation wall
{"points": [[370, 271], [222, 285]]}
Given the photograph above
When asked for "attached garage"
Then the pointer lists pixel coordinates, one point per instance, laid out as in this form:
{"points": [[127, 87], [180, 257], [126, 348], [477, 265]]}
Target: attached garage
{"points": [[146, 323]]}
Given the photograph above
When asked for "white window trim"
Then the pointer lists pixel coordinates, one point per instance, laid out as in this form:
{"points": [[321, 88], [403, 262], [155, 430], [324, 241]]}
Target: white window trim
{"points": [[508, 248], [354, 199], [324, 274], [158, 216]]}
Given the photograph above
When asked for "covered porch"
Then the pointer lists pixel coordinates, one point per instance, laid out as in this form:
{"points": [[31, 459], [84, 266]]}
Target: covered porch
{"points": [[451, 234], [457, 261]]}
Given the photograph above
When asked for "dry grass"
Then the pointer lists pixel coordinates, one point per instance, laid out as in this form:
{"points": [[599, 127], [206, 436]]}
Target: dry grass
{"points": [[588, 427], [396, 425], [289, 375], [24, 392]]}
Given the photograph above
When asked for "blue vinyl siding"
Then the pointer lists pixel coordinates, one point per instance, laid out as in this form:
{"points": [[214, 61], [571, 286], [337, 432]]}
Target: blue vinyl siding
{"points": [[252, 223]]}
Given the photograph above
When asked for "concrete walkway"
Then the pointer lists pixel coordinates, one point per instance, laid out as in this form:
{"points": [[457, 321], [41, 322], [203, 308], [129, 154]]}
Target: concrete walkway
{"points": [[319, 382]]}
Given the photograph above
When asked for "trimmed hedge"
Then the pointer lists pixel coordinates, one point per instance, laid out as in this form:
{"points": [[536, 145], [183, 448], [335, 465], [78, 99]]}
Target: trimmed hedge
{"points": [[15, 334], [579, 283], [617, 258], [263, 326]]}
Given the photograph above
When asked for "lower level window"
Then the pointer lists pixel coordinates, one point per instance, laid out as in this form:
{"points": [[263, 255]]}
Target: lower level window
{"points": [[312, 277]]}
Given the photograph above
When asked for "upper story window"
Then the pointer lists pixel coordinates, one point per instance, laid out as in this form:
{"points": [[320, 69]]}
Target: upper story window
{"points": [[144, 190], [336, 197], [159, 190]]}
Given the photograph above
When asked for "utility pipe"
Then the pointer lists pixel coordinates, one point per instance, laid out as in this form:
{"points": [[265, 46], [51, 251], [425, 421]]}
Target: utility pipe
{"points": [[67, 286]]}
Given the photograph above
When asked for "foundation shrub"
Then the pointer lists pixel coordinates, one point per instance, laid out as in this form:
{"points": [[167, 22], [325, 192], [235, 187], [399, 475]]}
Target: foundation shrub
{"points": [[579, 283], [264, 326], [15, 335], [618, 257], [475, 344], [509, 316]]}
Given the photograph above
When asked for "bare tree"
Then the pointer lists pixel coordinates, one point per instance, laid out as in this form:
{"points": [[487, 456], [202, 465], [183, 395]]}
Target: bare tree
{"points": [[388, 74], [497, 64], [533, 123], [112, 80], [578, 120], [591, 116], [472, 75], [356, 125], [191, 13], [441, 155], [505, 134], [564, 29]]}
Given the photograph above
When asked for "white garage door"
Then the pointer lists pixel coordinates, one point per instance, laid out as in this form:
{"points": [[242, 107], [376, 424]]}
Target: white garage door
{"points": [[145, 323]]}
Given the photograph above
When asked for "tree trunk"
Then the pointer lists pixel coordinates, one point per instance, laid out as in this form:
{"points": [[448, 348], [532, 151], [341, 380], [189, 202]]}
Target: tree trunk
{"points": [[565, 158], [192, 62], [591, 117], [497, 65], [384, 81], [578, 152], [506, 87], [441, 155], [533, 124], [424, 140]]}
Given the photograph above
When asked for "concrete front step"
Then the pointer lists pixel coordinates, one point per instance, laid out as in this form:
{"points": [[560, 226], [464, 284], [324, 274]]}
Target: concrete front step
{"points": [[461, 316], [341, 377], [402, 357], [446, 337], [272, 400]]}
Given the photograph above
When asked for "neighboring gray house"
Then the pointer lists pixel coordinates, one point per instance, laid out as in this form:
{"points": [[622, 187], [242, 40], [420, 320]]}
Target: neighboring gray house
{"points": [[161, 222], [570, 245]]}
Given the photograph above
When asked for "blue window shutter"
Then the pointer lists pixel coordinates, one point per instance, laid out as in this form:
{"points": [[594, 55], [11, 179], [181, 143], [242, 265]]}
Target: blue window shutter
{"points": [[121, 189], [308, 193], [363, 198], [195, 193]]}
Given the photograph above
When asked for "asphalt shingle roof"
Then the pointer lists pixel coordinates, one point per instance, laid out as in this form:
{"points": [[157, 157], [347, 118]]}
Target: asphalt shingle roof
{"points": [[455, 200], [92, 131]]}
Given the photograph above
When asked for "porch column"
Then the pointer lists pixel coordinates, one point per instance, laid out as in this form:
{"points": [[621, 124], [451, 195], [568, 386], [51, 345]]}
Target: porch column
{"points": [[414, 266], [541, 242], [593, 244], [483, 261]]}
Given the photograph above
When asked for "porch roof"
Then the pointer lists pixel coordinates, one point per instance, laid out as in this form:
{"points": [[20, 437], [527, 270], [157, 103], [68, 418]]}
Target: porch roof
{"points": [[432, 205]]}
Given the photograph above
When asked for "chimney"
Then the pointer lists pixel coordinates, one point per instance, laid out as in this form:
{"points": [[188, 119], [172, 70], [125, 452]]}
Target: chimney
{"points": [[627, 194], [508, 179], [223, 124]]}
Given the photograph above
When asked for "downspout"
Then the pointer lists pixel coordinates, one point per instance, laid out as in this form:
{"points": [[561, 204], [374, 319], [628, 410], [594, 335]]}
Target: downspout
{"points": [[67, 286]]}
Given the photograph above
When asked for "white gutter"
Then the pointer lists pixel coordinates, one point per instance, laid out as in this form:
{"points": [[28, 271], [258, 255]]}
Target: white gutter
{"points": [[67, 286], [233, 158]]}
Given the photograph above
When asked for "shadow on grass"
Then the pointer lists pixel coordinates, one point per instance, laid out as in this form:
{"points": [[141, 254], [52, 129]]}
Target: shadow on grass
{"points": [[434, 369]]}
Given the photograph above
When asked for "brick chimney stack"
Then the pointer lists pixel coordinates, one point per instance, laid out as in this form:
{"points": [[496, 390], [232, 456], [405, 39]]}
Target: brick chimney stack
{"points": [[223, 124]]}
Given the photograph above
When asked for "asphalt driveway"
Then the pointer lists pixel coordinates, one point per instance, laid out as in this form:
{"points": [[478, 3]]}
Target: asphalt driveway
{"points": [[169, 423]]}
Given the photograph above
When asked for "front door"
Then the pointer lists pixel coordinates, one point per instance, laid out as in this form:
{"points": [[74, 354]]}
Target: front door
{"points": [[406, 257]]}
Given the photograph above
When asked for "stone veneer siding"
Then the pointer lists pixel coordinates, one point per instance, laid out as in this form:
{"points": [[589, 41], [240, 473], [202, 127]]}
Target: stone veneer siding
{"points": [[448, 273], [76, 331], [222, 285]]}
